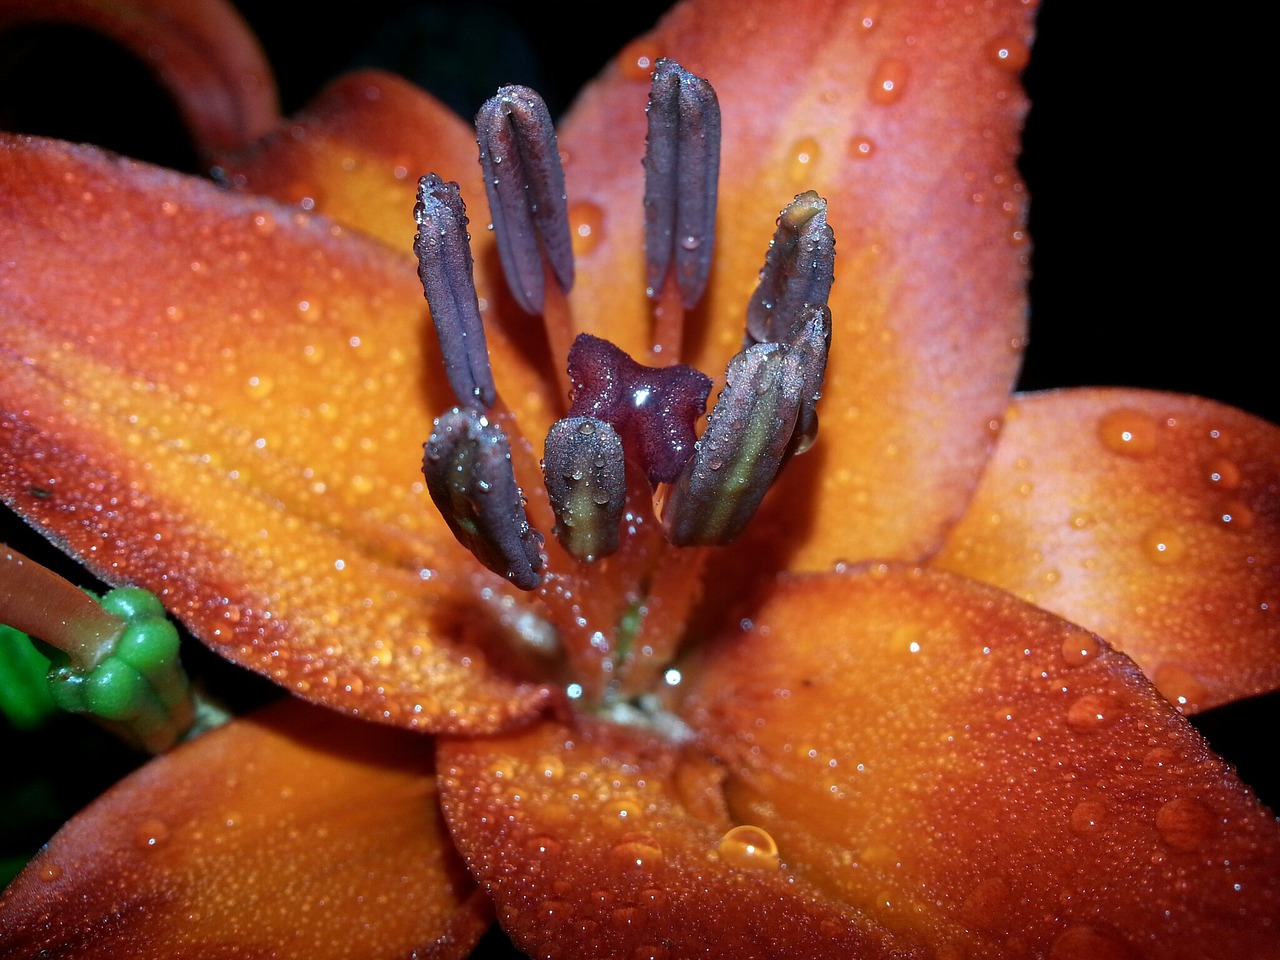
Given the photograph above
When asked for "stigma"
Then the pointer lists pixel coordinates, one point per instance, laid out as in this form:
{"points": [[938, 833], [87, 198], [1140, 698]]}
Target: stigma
{"points": [[629, 458]]}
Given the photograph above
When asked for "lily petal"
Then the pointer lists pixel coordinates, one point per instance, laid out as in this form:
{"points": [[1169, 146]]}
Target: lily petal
{"points": [[222, 848], [1151, 518], [584, 842], [222, 400], [905, 117], [202, 52], [978, 773]]}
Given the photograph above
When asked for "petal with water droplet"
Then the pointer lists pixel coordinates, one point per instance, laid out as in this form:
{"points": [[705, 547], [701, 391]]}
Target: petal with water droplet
{"points": [[292, 832], [1150, 518], [921, 748], [928, 299], [165, 417], [593, 843]]}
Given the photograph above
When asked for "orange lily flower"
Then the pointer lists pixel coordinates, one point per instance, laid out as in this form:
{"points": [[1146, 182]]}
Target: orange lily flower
{"points": [[883, 722]]}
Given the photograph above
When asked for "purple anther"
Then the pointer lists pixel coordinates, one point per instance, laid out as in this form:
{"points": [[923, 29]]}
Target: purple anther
{"points": [[444, 265], [467, 465], [798, 271], [653, 408], [682, 170], [585, 471], [810, 342], [525, 184]]}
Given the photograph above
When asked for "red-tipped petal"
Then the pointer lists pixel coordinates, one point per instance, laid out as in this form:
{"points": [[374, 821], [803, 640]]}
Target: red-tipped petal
{"points": [[202, 52], [291, 833], [927, 209], [978, 773], [1150, 518], [589, 849], [224, 401]]}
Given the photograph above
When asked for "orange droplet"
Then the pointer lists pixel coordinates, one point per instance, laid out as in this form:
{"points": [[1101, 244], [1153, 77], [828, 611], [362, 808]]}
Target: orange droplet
{"points": [[636, 59], [1183, 824], [749, 848], [1223, 474], [263, 223], [586, 225], [1087, 817], [1129, 433], [1080, 648], [1235, 515], [1164, 545], [803, 159], [1179, 686], [889, 81], [1093, 711], [1009, 53], [150, 834], [50, 872], [861, 148], [637, 853]]}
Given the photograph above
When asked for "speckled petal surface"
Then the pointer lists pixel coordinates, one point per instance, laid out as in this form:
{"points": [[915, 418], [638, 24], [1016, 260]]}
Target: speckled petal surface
{"points": [[290, 833], [593, 843], [1150, 518], [224, 401], [980, 774], [905, 117]]}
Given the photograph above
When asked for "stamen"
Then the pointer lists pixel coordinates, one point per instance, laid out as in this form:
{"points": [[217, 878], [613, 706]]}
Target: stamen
{"points": [[525, 184], [585, 472], [682, 169], [798, 270], [811, 339], [445, 267], [653, 408], [467, 465], [742, 449]]}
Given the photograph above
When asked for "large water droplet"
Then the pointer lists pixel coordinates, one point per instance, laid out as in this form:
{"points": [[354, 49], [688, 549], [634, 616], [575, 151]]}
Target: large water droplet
{"points": [[150, 834], [1130, 433], [1237, 516], [749, 848], [1164, 546], [1093, 711], [1223, 474], [50, 872], [889, 81], [862, 148], [1088, 817], [1183, 824], [1080, 648], [586, 227], [1179, 686], [635, 60], [1009, 53], [637, 853]]}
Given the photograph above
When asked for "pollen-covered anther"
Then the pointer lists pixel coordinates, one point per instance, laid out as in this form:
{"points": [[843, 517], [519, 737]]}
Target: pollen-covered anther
{"points": [[654, 409], [746, 441], [682, 170], [445, 268], [527, 202], [467, 465], [585, 471], [799, 269], [811, 341]]}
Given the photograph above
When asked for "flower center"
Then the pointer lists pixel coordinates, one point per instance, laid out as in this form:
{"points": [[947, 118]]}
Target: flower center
{"points": [[617, 581]]}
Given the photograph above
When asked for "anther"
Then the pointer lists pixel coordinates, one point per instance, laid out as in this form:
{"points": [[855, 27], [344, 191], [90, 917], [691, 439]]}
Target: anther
{"points": [[444, 265], [653, 408], [585, 472], [798, 270], [467, 465], [525, 184], [682, 169], [811, 341], [745, 443]]}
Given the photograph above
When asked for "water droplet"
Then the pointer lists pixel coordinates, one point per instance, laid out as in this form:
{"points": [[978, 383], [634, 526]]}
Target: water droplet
{"points": [[150, 834], [1080, 648], [861, 148], [1164, 545], [803, 160], [1088, 817], [1179, 686], [50, 872], [691, 242], [1093, 711], [622, 811], [637, 853], [1223, 474], [1161, 758], [1082, 521], [636, 59], [984, 906], [1237, 516], [1009, 53], [1183, 824], [259, 387], [1089, 943], [543, 846], [889, 81], [586, 226], [1130, 433], [749, 848], [550, 768], [263, 223], [651, 952]]}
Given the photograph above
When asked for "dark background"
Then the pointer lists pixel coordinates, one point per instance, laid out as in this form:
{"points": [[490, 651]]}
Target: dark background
{"points": [[1143, 157]]}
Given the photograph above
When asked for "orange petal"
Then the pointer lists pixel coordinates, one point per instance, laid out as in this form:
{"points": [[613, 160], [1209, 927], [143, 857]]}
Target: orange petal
{"points": [[201, 51], [224, 401], [1150, 518], [291, 833], [582, 839], [355, 154], [927, 209], [978, 773]]}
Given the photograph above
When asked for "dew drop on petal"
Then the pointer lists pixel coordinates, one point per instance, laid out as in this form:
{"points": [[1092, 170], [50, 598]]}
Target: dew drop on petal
{"points": [[150, 834], [749, 848], [1089, 943], [637, 853], [1080, 648], [1130, 433], [1009, 53], [1183, 824], [1093, 711], [586, 227], [1237, 516], [1222, 474], [802, 160], [1164, 546], [889, 81], [861, 148], [50, 872], [636, 59], [1088, 817], [1179, 686]]}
